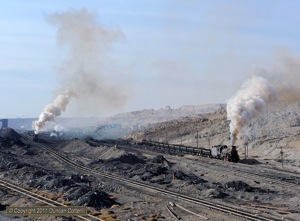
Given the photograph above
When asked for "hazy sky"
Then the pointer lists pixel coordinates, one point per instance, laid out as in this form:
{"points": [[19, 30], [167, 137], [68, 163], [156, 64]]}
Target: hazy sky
{"points": [[173, 52]]}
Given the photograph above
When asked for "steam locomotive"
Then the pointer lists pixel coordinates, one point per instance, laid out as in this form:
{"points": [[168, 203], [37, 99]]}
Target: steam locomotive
{"points": [[222, 152], [218, 151]]}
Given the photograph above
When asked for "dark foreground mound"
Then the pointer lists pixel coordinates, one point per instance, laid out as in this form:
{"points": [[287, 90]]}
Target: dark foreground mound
{"points": [[97, 199], [239, 186], [249, 161], [128, 158], [242, 186], [189, 178], [9, 133]]}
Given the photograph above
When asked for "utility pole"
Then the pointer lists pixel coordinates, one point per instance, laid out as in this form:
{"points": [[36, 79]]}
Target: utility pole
{"points": [[197, 140], [181, 139], [281, 153], [158, 139], [166, 137], [208, 139]]}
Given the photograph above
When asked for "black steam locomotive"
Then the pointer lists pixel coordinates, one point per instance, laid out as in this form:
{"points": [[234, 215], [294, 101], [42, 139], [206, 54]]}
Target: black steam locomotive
{"points": [[218, 151]]}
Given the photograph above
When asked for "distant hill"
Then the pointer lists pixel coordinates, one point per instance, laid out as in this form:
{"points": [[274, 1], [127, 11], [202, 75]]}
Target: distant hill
{"points": [[129, 119], [151, 116], [278, 127]]}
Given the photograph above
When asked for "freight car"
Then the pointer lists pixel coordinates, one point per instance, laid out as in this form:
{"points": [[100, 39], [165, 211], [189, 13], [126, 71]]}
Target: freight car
{"points": [[217, 152]]}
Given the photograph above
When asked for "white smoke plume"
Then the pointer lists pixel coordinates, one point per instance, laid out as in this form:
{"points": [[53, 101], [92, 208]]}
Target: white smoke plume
{"points": [[248, 103], [84, 71], [280, 84]]}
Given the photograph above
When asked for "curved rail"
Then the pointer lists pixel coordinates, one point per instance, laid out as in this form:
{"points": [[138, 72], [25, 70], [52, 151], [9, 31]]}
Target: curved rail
{"points": [[194, 150], [205, 203], [43, 199]]}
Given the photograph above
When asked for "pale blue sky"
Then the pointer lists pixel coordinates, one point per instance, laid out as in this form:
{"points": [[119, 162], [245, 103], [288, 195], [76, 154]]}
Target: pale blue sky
{"points": [[174, 53]]}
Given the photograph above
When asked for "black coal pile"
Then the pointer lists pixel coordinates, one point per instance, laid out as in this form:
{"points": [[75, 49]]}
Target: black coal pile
{"points": [[242, 186], [9, 133], [215, 193], [8, 161], [189, 178], [239, 186], [97, 199], [128, 158], [76, 188], [55, 181], [249, 161], [157, 170], [161, 160], [92, 142], [9, 137], [75, 193]]}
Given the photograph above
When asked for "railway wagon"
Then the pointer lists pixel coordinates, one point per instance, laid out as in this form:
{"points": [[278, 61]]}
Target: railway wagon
{"points": [[218, 151], [179, 148]]}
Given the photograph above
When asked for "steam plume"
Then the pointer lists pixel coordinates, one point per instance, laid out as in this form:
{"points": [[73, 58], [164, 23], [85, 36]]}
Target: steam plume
{"points": [[84, 71], [248, 103], [281, 84], [51, 111]]}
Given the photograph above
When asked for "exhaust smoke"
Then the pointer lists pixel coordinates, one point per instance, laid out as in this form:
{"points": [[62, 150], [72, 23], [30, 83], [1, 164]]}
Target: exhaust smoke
{"points": [[51, 111], [84, 73], [281, 84], [249, 102]]}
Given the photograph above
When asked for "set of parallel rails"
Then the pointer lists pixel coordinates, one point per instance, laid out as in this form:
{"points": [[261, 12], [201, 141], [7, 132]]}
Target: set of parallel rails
{"points": [[111, 176], [247, 174], [7, 185]]}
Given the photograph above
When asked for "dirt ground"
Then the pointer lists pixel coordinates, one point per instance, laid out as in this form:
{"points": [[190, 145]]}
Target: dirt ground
{"points": [[213, 180]]}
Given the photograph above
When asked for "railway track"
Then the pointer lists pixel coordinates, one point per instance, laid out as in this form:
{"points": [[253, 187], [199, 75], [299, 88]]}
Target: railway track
{"points": [[43, 199], [238, 169], [211, 205], [255, 175]]}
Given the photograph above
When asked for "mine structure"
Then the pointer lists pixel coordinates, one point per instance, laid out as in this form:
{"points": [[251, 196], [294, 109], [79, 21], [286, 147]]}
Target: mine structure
{"points": [[4, 123]]}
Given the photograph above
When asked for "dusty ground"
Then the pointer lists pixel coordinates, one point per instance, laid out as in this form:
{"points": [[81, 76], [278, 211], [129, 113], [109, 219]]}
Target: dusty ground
{"points": [[278, 127], [28, 165]]}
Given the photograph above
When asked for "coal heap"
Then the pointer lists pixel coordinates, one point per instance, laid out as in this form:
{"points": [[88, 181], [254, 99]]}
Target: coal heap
{"points": [[97, 199], [128, 158], [9, 133], [249, 161], [159, 159], [76, 190], [239, 185], [242, 186], [10, 137], [189, 178]]}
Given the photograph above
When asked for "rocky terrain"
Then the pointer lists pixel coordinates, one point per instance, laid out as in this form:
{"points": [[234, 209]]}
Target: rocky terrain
{"points": [[278, 127], [25, 163], [147, 117]]}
